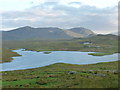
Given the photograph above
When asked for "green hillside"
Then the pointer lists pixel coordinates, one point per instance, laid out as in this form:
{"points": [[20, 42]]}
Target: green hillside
{"points": [[101, 75]]}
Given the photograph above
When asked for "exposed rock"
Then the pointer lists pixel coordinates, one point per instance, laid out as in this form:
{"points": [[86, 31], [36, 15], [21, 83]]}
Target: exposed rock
{"points": [[100, 75], [51, 75], [72, 72]]}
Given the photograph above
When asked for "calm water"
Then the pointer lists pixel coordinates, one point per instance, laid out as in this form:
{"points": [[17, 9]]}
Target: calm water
{"points": [[32, 59]]}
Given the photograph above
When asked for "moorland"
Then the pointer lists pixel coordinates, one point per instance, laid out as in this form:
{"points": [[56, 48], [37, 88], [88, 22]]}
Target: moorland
{"points": [[61, 75]]}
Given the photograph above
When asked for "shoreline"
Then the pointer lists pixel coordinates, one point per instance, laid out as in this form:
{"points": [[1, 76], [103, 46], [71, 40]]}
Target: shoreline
{"points": [[61, 63], [57, 61], [98, 53]]}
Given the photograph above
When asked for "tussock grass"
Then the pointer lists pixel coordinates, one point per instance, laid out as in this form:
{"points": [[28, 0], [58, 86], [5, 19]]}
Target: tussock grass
{"points": [[101, 75]]}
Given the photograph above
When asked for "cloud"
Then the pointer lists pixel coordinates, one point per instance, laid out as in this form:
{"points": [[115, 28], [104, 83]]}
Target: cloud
{"points": [[64, 16]]}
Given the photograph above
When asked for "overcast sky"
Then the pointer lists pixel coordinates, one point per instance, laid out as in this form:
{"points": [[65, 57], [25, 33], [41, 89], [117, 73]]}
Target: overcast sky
{"points": [[101, 16]]}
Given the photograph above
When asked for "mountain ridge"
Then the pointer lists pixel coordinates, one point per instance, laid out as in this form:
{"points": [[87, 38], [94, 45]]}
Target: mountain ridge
{"points": [[28, 32]]}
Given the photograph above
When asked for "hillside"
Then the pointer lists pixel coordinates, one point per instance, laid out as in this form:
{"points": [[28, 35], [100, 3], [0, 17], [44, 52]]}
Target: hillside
{"points": [[27, 32], [101, 75], [83, 32]]}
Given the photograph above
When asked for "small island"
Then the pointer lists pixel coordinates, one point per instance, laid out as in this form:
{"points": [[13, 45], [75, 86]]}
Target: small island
{"points": [[46, 52]]}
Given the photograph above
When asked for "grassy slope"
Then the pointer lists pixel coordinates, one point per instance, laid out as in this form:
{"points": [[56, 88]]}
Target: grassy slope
{"points": [[108, 45], [7, 55], [101, 75]]}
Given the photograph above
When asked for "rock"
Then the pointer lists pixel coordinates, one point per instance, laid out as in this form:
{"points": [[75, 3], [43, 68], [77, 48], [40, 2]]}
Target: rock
{"points": [[51, 75], [21, 85], [41, 82], [116, 71], [26, 85], [72, 72], [4, 73], [37, 77], [100, 75]]}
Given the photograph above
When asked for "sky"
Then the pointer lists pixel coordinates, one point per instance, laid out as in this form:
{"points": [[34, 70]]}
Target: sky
{"points": [[101, 16]]}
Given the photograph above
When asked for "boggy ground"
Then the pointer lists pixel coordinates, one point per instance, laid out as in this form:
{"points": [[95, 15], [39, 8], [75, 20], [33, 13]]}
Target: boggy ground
{"points": [[60, 75], [7, 55]]}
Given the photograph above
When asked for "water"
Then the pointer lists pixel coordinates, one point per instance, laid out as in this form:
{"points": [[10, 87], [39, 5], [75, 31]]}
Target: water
{"points": [[32, 59]]}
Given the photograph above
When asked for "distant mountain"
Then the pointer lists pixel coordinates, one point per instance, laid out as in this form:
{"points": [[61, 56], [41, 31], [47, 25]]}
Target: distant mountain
{"points": [[115, 33], [45, 33], [83, 32]]}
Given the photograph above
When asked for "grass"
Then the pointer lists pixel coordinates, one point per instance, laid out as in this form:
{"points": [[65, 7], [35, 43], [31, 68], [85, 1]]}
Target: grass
{"points": [[99, 54], [7, 55], [46, 52], [101, 75]]}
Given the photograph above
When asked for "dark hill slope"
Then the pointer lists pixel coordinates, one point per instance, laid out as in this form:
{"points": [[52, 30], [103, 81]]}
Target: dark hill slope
{"points": [[34, 33], [27, 32]]}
